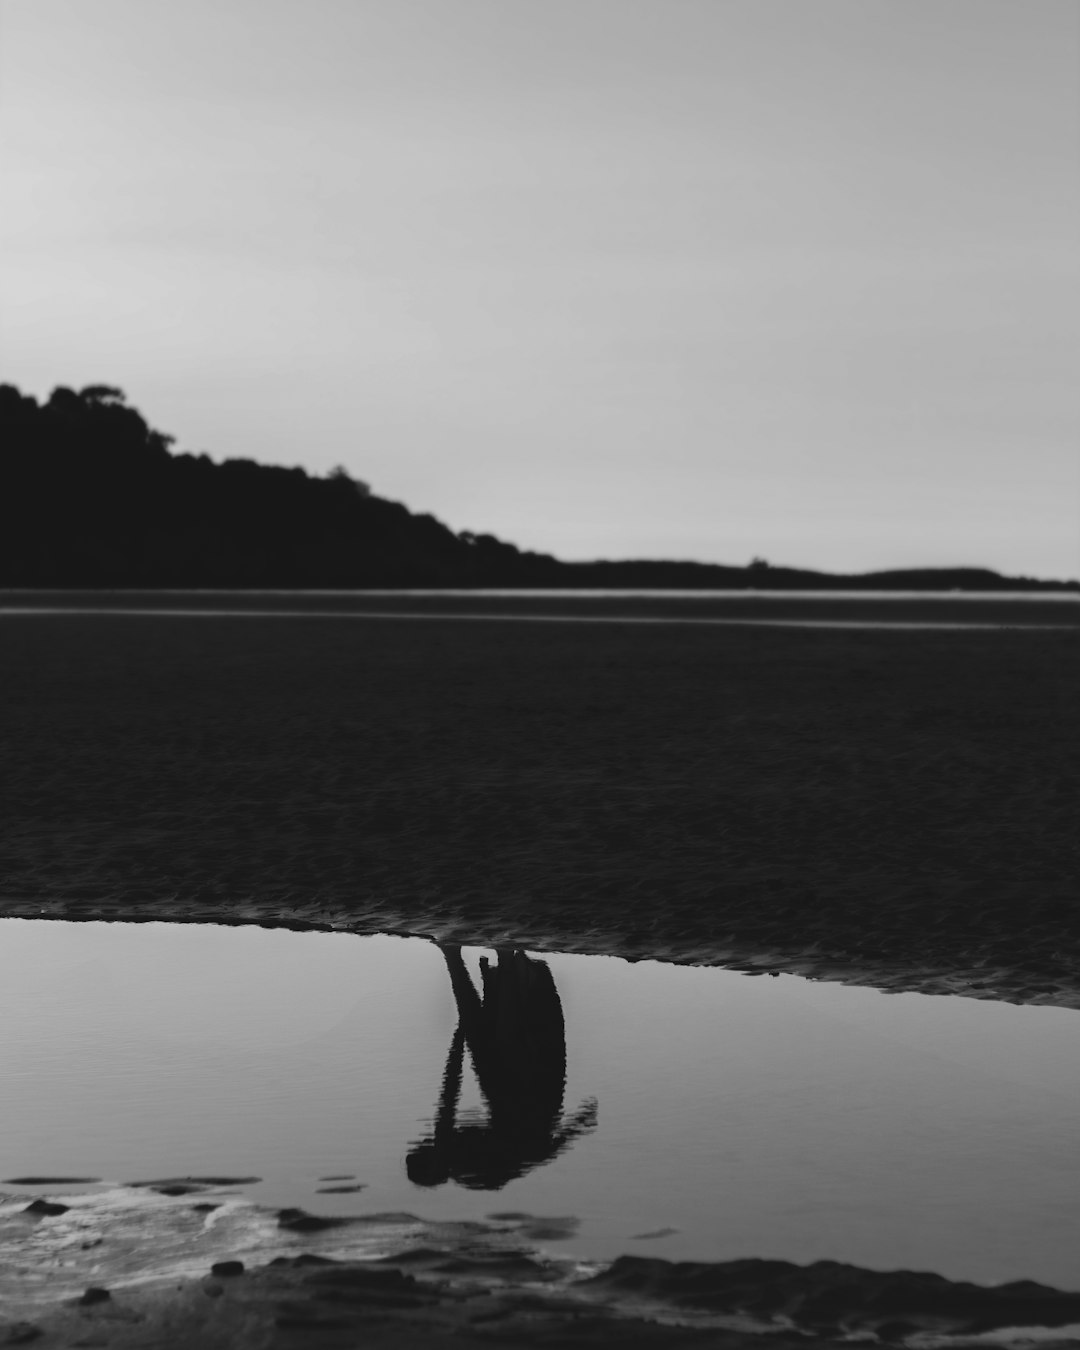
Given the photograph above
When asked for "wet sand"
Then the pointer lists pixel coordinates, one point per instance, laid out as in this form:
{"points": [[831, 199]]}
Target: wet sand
{"points": [[157, 1269], [895, 807]]}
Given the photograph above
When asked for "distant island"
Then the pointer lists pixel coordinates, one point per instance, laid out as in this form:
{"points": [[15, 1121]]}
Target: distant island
{"points": [[92, 497]]}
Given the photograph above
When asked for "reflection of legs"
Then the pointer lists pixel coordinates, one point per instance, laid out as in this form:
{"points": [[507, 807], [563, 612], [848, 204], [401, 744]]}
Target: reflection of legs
{"points": [[430, 1163], [451, 1088], [469, 1006]]}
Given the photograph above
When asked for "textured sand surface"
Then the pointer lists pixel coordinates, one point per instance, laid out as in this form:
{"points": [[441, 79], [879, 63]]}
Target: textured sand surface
{"points": [[154, 1270], [897, 807]]}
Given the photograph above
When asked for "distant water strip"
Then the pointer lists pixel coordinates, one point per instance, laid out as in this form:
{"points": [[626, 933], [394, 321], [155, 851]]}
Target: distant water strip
{"points": [[563, 593], [695, 621]]}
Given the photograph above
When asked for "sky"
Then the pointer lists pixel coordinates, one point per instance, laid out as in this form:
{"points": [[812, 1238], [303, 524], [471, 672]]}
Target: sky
{"points": [[706, 279]]}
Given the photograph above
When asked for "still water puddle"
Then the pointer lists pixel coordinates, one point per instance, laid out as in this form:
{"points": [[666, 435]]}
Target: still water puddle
{"points": [[705, 1114]]}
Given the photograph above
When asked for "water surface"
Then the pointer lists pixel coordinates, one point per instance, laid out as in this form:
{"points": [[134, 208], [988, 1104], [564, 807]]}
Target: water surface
{"points": [[895, 610], [718, 1115]]}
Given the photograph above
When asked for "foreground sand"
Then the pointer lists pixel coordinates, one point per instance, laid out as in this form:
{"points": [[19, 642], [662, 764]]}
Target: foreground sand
{"points": [[137, 1268]]}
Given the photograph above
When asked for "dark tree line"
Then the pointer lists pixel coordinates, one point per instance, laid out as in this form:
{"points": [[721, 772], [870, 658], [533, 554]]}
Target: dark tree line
{"points": [[91, 495]]}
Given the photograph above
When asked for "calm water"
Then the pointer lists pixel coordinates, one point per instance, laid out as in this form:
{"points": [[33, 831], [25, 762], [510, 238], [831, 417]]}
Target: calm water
{"points": [[726, 1115], [563, 593], [899, 610]]}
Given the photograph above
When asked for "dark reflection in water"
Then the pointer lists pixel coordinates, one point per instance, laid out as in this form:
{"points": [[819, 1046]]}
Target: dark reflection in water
{"points": [[515, 1035]]}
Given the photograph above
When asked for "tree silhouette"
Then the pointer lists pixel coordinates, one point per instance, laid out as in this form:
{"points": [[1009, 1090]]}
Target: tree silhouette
{"points": [[91, 495]]}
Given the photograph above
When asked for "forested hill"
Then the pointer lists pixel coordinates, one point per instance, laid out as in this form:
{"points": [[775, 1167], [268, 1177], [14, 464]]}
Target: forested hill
{"points": [[91, 495]]}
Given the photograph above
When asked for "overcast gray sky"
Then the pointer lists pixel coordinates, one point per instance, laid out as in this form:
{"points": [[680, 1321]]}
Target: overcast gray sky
{"points": [[670, 278]]}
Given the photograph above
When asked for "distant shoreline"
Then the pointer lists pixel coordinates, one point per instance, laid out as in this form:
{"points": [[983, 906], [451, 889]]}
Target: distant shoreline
{"points": [[955, 593]]}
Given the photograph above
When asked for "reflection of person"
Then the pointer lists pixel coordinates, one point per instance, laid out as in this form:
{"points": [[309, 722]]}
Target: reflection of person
{"points": [[515, 1036]]}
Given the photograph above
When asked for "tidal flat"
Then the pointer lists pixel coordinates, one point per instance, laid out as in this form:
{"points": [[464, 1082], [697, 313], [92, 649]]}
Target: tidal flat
{"points": [[879, 791], [897, 802]]}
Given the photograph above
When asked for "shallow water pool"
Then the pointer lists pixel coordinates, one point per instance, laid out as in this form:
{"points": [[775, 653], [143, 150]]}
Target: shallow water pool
{"points": [[705, 1114]]}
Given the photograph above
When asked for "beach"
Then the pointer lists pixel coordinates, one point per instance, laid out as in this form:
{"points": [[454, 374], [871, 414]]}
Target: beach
{"points": [[899, 803], [892, 806]]}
